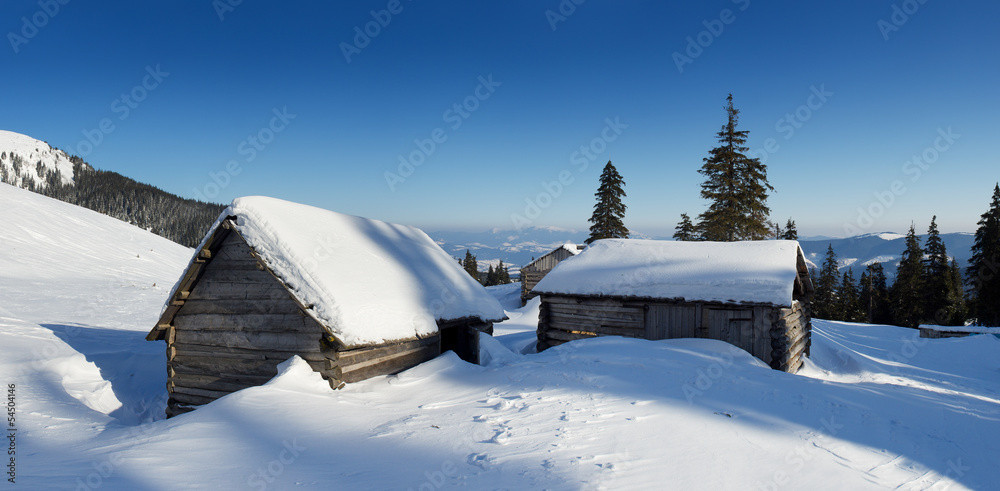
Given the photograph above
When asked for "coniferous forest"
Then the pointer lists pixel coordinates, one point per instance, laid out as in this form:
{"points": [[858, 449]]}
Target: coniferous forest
{"points": [[181, 220]]}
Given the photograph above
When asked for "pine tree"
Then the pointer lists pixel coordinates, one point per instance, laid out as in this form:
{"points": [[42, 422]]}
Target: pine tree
{"points": [[470, 265], [685, 230], [609, 210], [827, 285], [907, 291], [791, 233], [776, 231], [983, 272], [874, 295], [937, 281], [736, 187], [491, 277], [847, 299], [957, 297], [503, 273]]}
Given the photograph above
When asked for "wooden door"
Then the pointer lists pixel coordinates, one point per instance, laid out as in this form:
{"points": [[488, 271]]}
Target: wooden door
{"points": [[734, 326]]}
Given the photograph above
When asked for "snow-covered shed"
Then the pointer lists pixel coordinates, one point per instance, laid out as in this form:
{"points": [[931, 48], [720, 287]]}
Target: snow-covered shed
{"points": [[754, 295], [354, 297], [534, 271]]}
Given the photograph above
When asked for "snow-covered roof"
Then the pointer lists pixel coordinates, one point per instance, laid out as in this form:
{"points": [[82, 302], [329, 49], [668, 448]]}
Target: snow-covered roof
{"points": [[761, 272], [366, 280]]}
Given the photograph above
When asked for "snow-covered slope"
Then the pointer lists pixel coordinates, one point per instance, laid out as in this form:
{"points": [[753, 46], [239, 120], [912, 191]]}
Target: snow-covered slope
{"points": [[29, 153], [875, 407]]}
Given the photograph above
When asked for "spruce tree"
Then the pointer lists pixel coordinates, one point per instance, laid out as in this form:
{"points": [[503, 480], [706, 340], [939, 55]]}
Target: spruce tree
{"points": [[685, 230], [470, 265], [791, 233], [959, 311], [491, 277], [907, 291], [609, 210], [874, 295], [503, 273], [937, 281], [983, 272], [827, 285], [736, 187], [848, 302]]}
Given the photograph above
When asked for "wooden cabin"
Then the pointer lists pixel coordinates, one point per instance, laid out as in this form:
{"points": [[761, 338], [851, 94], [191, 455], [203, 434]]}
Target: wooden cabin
{"points": [[534, 271], [754, 295], [355, 298]]}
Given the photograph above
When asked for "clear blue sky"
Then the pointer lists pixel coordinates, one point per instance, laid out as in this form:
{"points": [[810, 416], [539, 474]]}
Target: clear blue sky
{"points": [[221, 79]]}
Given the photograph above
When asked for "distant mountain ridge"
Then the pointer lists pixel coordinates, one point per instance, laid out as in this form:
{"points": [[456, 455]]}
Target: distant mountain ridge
{"points": [[517, 248], [32, 164]]}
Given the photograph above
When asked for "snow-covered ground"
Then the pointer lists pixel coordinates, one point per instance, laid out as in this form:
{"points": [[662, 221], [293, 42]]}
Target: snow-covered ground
{"points": [[875, 406]]}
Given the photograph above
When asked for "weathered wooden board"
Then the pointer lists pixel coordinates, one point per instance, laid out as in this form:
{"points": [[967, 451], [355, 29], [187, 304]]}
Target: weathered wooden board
{"points": [[556, 334], [290, 341], [557, 323], [291, 323], [230, 306], [388, 365], [356, 356]]}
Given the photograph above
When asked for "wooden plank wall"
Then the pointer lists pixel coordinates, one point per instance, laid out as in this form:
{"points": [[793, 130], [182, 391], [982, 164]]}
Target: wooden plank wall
{"points": [[236, 325], [778, 337], [563, 319]]}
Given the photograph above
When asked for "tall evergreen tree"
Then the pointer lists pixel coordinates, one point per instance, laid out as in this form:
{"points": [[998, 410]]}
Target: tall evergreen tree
{"points": [[609, 210], [503, 273], [827, 285], [736, 187], [937, 281], [848, 302], [791, 233], [874, 295], [956, 297], [983, 272], [685, 230], [906, 293], [470, 265], [491, 277]]}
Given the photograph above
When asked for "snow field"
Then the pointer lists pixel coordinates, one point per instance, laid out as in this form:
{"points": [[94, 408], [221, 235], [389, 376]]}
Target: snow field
{"points": [[874, 407]]}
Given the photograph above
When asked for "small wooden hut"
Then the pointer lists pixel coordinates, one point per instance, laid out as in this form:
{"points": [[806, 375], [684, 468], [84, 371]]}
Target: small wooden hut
{"points": [[354, 297], [534, 271], [754, 295]]}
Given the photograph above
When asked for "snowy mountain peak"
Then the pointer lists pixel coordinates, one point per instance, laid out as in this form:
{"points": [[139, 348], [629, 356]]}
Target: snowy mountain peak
{"points": [[29, 163]]}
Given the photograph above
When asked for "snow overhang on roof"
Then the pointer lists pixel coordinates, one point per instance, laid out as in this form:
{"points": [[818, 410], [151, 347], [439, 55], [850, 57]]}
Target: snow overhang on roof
{"points": [[367, 281], [752, 272]]}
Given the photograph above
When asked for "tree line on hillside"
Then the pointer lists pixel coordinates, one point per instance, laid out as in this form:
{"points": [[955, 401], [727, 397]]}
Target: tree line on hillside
{"points": [[181, 220], [499, 275], [929, 288]]}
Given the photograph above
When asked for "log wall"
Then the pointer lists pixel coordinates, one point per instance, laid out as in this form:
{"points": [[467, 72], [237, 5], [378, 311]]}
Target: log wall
{"points": [[791, 337]]}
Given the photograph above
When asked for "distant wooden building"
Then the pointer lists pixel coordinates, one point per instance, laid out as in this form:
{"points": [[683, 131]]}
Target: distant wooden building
{"points": [[754, 295], [534, 271], [355, 298]]}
